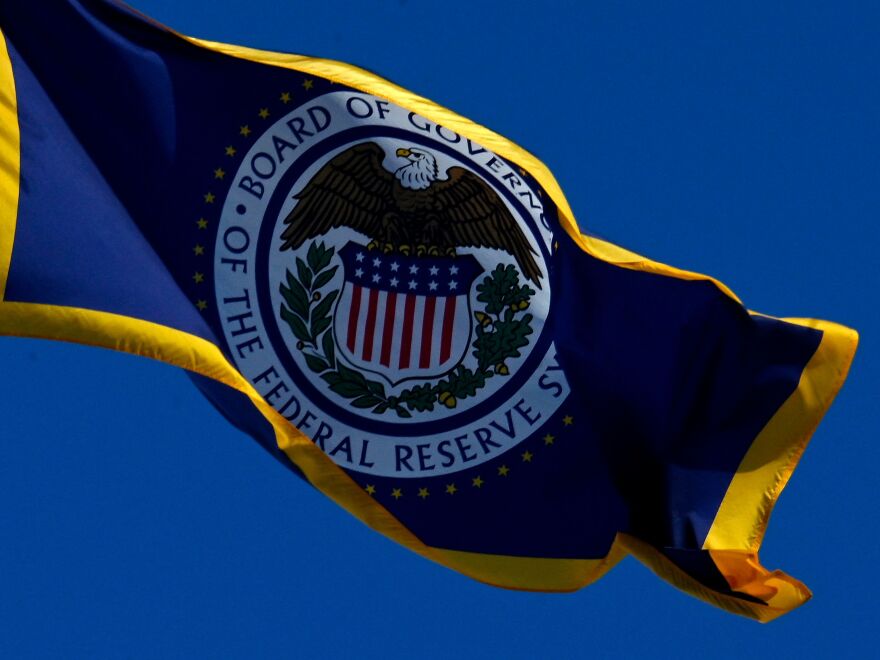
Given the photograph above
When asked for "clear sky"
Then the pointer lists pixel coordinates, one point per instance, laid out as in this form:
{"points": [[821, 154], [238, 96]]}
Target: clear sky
{"points": [[741, 142]]}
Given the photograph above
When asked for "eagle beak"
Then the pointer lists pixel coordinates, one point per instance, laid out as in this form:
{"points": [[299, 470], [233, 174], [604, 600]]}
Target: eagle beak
{"points": [[404, 153]]}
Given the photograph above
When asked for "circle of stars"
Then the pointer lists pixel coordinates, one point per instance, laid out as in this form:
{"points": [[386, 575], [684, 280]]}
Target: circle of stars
{"points": [[219, 173], [230, 151], [502, 472]]}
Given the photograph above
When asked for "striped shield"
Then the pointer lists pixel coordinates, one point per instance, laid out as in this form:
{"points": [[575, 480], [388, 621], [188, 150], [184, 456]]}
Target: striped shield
{"points": [[404, 317]]}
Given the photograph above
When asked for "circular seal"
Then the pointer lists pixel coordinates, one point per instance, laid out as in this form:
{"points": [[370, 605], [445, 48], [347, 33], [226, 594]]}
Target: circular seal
{"points": [[383, 283]]}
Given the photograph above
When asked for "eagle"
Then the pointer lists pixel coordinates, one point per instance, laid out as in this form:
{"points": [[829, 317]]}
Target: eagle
{"points": [[411, 210]]}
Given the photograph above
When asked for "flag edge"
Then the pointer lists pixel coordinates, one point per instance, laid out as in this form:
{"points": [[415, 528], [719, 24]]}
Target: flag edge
{"points": [[744, 514], [10, 162]]}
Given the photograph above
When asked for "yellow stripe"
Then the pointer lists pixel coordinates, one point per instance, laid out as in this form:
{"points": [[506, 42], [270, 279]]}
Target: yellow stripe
{"points": [[10, 163], [783, 592], [195, 354], [530, 573], [745, 510]]}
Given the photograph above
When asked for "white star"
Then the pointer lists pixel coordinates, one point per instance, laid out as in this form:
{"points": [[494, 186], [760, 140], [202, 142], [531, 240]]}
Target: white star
{"points": [[412, 284], [377, 262], [395, 266], [413, 269], [452, 284], [393, 281], [359, 272], [376, 278], [453, 270], [434, 270], [359, 256], [432, 285]]}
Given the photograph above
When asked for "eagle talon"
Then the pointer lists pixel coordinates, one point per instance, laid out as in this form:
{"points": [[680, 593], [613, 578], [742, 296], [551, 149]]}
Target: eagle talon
{"points": [[434, 252], [372, 245], [388, 248], [420, 250], [405, 250], [450, 252]]}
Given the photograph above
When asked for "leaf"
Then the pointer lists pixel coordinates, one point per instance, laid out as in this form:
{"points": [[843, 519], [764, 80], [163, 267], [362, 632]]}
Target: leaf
{"points": [[463, 382], [470, 382], [324, 257], [329, 348], [513, 336], [296, 325], [421, 397], [488, 348], [296, 297], [305, 275], [315, 363], [501, 290], [322, 309], [324, 277], [352, 375], [366, 401], [348, 389], [376, 388], [495, 286], [402, 412], [321, 315], [313, 257], [319, 326]]}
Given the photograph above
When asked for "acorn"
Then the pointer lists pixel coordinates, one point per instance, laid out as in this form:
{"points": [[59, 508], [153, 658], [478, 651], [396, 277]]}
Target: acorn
{"points": [[523, 304], [482, 318], [316, 296], [501, 369], [447, 399]]}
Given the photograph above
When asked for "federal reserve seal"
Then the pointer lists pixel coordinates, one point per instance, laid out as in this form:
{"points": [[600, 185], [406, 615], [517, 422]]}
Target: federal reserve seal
{"points": [[384, 283]]}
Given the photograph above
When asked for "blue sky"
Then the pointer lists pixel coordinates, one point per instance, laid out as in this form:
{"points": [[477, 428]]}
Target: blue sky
{"points": [[741, 142]]}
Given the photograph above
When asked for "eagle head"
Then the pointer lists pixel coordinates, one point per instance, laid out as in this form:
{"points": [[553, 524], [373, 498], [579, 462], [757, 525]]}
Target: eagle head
{"points": [[421, 170]]}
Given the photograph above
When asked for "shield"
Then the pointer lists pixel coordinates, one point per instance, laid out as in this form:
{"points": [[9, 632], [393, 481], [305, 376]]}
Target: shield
{"points": [[404, 317]]}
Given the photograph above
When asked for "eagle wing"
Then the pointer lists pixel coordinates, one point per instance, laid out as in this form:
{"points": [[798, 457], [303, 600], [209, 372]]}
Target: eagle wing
{"points": [[351, 190], [474, 215]]}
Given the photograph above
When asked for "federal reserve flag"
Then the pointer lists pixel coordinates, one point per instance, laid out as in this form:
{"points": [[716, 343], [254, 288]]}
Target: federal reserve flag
{"points": [[398, 304]]}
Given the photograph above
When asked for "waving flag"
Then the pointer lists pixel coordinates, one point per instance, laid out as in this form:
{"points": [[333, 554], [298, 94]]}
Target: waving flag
{"points": [[398, 304]]}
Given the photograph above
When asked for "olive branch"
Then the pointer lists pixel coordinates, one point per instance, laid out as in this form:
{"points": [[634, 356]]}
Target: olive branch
{"points": [[503, 327]]}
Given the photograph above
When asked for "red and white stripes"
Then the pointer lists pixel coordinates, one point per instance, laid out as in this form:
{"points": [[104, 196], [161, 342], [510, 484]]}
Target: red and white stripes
{"points": [[401, 332]]}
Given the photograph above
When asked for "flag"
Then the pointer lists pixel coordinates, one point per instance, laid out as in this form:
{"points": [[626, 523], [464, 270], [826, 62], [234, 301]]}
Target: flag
{"points": [[398, 305]]}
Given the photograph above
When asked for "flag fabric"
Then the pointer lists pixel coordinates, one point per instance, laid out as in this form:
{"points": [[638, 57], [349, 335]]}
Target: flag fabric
{"points": [[399, 306]]}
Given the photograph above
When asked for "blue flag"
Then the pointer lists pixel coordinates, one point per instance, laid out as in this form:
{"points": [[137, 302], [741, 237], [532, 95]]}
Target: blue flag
{"points": [[399, 306]]}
